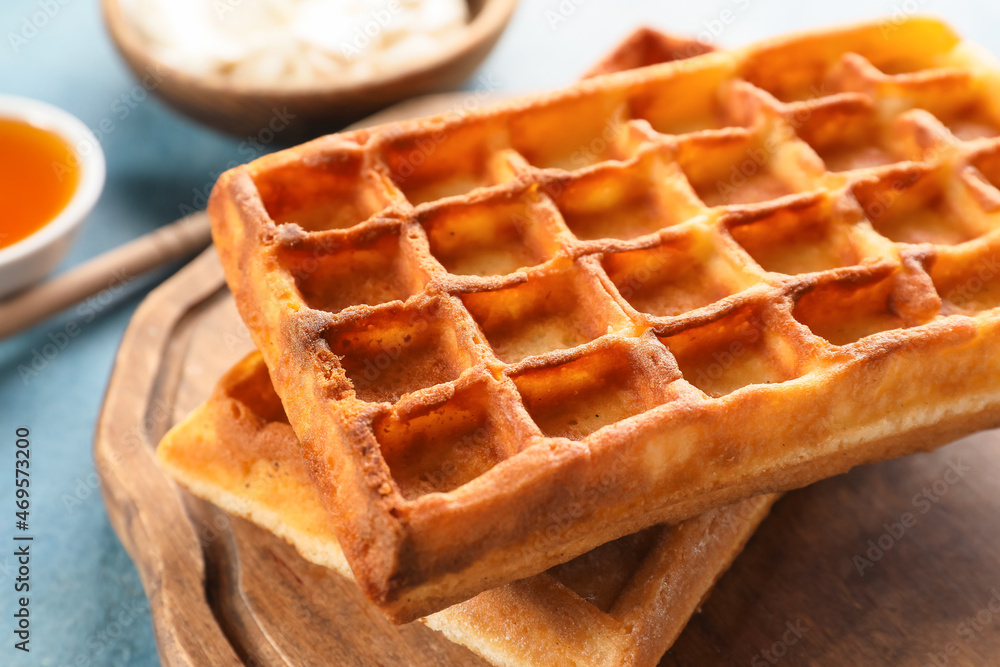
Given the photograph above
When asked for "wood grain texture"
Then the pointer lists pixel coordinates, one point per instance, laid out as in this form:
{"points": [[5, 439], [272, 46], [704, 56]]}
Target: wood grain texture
{"points": [[912, 601]]}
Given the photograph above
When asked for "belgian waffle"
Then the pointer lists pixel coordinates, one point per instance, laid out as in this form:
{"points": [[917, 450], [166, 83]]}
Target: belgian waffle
{"points": [[507, 336], [622, 604]]}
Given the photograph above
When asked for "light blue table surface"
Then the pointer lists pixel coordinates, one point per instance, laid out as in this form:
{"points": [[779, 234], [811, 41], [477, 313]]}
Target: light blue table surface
{"points": [[87, 605]]}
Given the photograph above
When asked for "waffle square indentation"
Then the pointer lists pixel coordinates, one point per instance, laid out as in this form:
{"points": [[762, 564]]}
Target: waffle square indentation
{"points": [[738, 168], [915, 206], [805, 237], [441, 446], [681, 274], [845, 311], [578, 397], [493, 237], [732, 352], [687, 102], [573, 133], [330, 191], [553, 310], [847, 133], [625, 202], [397, 349], [968, 282], [448, 161], [333, 273]]}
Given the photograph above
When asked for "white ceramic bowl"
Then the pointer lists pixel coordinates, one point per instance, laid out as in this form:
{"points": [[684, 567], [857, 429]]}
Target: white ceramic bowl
{"points": [[33, 257]]}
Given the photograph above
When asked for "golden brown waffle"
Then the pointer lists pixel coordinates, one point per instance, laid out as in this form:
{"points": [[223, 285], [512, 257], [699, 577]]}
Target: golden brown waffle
{"points": [[507, 336], [645, 47], [622, 604]]}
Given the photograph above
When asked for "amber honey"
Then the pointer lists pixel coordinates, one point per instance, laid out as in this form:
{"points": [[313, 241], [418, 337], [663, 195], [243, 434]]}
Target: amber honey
{"points": [[38, 174]]}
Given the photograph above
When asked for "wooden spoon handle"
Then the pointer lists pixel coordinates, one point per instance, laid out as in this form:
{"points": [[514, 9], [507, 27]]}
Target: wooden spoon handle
{"points": [[168, 243]]}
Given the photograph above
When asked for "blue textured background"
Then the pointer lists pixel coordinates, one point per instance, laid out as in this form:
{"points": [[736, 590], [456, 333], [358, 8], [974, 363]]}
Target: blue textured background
{"points": [[87, 605]]}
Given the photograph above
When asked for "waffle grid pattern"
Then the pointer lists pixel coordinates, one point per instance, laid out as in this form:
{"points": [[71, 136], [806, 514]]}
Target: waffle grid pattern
{"points": [[651, 242], [476, 286]]}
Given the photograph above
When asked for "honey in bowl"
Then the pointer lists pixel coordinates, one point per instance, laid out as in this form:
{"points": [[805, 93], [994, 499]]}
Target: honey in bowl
{"points": [[38, 174]]}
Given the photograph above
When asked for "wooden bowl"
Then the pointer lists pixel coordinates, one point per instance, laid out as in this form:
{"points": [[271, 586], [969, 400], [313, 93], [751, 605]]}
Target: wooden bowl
{"points": [[326, 107]]}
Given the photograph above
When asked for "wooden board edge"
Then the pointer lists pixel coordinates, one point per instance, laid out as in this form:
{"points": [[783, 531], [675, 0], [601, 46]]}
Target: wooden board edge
{"points": [[124, 455]]}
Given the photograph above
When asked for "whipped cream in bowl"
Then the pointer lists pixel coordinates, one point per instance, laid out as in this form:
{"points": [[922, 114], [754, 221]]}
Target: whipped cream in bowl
{"points": [[295, 43], [238, 65]]}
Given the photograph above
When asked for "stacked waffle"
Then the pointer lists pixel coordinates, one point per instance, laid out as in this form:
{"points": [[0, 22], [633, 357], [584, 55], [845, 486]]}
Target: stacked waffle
{"points": [[507, 345]]}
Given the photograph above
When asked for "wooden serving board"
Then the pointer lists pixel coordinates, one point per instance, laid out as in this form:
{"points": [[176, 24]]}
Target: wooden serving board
{"points": [[224, 592]]}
